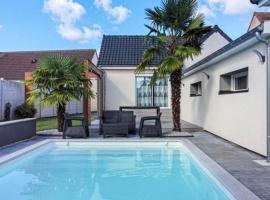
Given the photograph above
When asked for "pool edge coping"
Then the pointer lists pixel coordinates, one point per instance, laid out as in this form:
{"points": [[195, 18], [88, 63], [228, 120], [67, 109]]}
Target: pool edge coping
{"points": [[227, 180]]}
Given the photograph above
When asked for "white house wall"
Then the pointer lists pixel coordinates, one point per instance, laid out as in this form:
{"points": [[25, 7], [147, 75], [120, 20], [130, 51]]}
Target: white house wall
{"points": [[120, 89], [212, 44], [94, 100], [240, 117]]}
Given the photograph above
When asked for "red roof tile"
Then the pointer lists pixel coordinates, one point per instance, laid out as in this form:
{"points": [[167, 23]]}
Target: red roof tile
{"points": [[13, 65]]}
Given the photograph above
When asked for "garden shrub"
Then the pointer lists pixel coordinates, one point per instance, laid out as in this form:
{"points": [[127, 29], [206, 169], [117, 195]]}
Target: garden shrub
{"points": [[25, 111]]}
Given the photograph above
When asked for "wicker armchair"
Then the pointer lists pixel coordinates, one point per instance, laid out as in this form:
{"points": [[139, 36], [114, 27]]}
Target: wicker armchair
{"points": [[75, 132], [150, 130]]}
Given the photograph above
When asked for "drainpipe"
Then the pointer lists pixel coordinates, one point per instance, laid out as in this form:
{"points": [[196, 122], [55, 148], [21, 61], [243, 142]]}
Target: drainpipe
{"points": [[267, 43]]}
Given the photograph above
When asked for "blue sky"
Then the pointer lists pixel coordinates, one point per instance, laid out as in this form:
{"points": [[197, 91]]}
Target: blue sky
{"points": [[80, 24]]}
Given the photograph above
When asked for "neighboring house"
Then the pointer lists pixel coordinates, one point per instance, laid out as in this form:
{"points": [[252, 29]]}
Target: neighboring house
{"points": [[257, 19], [119, 57], [225, 93], [16, 65]]}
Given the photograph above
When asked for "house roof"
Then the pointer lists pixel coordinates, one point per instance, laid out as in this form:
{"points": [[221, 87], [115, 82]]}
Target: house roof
{"points": [[225, 49], [13, 65], [127, 50], [258, 18]]}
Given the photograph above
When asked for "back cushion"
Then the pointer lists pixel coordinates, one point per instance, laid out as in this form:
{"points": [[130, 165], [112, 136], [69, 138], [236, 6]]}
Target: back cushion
{"points": [[111, 116], [126, 116]]}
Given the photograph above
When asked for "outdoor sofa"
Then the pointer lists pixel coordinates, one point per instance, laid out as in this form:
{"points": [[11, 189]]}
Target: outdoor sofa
{"points": [[117, 123]]}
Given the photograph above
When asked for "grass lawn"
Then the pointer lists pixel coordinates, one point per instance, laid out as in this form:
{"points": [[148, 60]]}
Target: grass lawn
{"points": [[51, 123]]}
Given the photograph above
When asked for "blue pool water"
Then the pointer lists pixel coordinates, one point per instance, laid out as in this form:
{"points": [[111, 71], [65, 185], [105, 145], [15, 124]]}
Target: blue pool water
{"points": [[77, 172]]}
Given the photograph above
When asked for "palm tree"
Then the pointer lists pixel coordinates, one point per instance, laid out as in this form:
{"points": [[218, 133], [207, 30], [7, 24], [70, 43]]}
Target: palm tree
{"points": [[174, 35], [57, 81]]}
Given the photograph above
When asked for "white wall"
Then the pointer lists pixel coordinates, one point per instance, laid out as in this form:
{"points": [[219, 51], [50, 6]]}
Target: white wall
{"points": [[94, 100], [241, 117], [212, 44], [120, 89]]}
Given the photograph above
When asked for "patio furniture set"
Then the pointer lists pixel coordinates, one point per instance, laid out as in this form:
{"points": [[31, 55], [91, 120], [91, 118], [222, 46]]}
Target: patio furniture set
{"points": [[116, 123]]}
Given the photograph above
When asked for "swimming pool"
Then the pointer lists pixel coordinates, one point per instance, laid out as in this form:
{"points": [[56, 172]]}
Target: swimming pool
{"points": [[109, 171]]}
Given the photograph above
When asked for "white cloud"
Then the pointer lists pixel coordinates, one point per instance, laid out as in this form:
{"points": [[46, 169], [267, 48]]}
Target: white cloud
{"points": [[1, 26], [118, 13], [67, 13], [204, 9], [232, 6], [228, 7], [85, 34]]}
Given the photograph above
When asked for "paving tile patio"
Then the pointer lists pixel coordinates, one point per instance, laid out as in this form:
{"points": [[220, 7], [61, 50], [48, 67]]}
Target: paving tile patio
{"points": [[238, 161]]}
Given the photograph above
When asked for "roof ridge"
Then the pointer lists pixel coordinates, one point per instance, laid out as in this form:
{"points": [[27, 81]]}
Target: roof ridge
{"points": [[225, 35], [216, 28]]}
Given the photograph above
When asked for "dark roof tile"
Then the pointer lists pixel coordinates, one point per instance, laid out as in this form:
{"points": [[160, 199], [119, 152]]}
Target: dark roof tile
{"points": [[127, 50]]}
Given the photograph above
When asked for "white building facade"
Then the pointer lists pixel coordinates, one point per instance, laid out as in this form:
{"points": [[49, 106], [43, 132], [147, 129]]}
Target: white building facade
{"points": [[225, 93], [119, 57], [224, 89]]}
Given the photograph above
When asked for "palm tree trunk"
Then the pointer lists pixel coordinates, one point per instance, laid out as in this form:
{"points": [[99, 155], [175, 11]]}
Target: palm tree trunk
{"points": [[175, 79], [61, 109]]}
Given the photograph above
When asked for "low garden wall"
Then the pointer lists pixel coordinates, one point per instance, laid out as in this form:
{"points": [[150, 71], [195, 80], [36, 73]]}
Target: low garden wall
{"points": [[17, 130]]}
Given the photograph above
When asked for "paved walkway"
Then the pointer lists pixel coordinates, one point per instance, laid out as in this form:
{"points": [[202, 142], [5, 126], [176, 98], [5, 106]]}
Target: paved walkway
{"points": [[236, 160]]}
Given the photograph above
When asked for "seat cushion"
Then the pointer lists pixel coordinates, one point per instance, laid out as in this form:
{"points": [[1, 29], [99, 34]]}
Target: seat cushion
{"points": [[115, 129], [76, 132], [110, 116]]}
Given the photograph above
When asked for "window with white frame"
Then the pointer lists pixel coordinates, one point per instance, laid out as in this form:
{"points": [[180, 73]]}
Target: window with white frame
{"points": [[151, 95], [233, 82], [196, 89], [239, 81]]}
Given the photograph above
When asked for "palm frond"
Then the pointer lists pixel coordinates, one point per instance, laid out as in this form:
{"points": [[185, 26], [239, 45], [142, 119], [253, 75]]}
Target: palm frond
{"points": [[196, 22], [59, 79], [183, 52], [177, 31], [168, 65], [148, 56]]}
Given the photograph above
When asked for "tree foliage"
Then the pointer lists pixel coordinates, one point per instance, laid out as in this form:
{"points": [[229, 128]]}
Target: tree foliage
{"points": [[175, 35], [59, 80]]}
